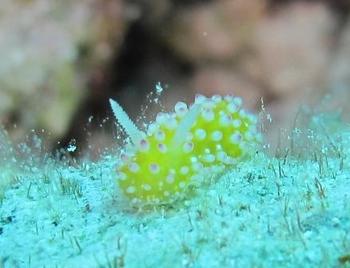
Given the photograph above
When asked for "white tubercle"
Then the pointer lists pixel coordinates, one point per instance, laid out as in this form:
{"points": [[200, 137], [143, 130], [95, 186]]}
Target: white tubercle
{"points": [[171, 123], [154, 168], [143, 145], [225, 120], [147, 187], [209, 158], [162, 148], [228, 98], [216, 98], [134, 168], [236, 123], [121, 176], [200, 134], [208, 114], [181, 108], [197, 166], [188, 147], [199, 99], [182, 185], [131, 190], [170, 178], [238, 101], [216, 135], [152, 128], [160, 135], [184, 170], [161, 118], [235, 138], [232, 108]]}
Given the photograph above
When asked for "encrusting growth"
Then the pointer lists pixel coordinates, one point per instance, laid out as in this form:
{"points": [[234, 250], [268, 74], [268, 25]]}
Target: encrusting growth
{"points": [[157, 166]]}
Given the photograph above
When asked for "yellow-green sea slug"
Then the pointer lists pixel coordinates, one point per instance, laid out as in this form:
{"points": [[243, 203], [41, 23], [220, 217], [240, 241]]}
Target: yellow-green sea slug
{"points": [[156, 166]]}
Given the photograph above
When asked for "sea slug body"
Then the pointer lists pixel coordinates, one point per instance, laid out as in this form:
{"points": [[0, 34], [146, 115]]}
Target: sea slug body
{"points": [[157, 166]]}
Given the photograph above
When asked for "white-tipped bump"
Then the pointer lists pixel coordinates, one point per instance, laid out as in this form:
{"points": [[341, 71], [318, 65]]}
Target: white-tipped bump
{"points": [[125, 158], [249, 136], [208, 104], [184, 170], [154, 168], [170, 178], [252, 118], [219, 148], [235, 138], [188, 147], [162, 148], [121, 176], [182, 185], [152, 128], [134, 168], [199, 99], [181, 108], [236, 123], [221, 156], [242, 113], [208, 114], [171, 123], [144, 145], [216, 135], [232, 108], [147, 187], [200, 134], [238, 101], [160, 135], [194, 159], [197, 166], [130, 190], [225, 120], [209, 158], [228, 98], [161, 118], [216, 98]]}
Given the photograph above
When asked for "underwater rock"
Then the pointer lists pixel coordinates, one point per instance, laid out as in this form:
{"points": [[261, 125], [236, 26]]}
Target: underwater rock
{"points": [[215, 80], [339, 75], [293, 48], [213, 32], [42, 44]]}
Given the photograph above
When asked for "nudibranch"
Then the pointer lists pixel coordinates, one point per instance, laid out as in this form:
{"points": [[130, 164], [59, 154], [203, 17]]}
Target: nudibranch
{"points": [[157, 165]]}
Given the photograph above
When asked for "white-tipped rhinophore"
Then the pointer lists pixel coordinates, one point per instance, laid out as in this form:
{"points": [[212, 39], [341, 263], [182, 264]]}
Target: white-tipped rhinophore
{"points": [[185, 125], [128, 125]]}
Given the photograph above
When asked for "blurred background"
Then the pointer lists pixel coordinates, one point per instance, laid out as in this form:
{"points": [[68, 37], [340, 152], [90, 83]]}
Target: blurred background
{"points": [[60, 61]]}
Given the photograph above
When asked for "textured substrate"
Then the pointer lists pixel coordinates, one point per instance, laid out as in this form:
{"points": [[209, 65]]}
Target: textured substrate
{"points": [[286, 211]]}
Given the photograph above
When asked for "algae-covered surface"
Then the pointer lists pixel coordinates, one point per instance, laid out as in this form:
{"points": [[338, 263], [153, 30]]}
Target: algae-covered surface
{"points": [[289, 208]]}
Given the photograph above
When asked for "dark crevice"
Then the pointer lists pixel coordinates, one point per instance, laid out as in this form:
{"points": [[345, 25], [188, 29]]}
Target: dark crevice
{"points": [[139, 65]]}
